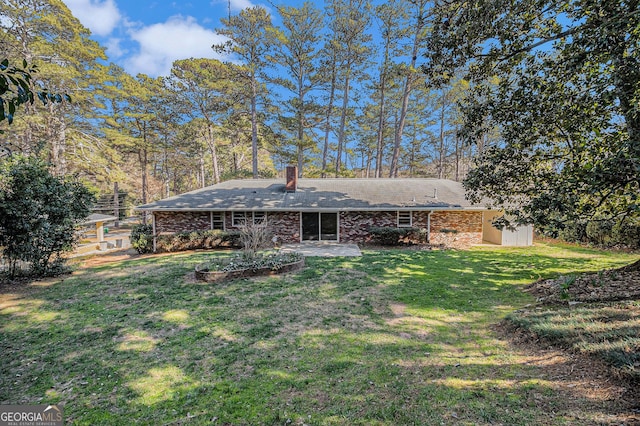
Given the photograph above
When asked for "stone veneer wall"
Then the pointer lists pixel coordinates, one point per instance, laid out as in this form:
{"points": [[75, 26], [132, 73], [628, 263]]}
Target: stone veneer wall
{"points": [[172, 222], [467, 224], [285, 225], [354, 226]]}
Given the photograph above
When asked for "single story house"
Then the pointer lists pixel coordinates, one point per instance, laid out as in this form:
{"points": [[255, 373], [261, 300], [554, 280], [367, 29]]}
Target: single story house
{"points": [[340, 210]]}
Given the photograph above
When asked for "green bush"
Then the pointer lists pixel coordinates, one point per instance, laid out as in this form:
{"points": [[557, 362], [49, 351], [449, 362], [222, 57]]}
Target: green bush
{"points": [[142, 238], [390, 236], [602, 233], [627, 234], [197, 240], [573, 232], [274, 261], [599, 232], [39, 214]]}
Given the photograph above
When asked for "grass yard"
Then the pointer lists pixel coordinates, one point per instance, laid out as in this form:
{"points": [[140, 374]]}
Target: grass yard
{"points": [[391, 338]]}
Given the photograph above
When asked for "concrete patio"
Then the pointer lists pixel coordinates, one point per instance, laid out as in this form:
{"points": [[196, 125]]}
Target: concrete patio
{"points": [[323, 249]]}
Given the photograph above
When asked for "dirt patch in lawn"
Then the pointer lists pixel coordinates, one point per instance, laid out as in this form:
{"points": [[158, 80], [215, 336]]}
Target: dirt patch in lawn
{"points": [[584, 384]]}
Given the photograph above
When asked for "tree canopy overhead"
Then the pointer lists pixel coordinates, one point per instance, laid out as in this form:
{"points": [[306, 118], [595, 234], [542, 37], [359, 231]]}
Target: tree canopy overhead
{"points": [[560, 81]]}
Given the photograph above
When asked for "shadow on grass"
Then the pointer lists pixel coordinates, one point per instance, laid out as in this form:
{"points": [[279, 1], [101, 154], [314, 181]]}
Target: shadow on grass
{"points": [[390, 338], [605, 331]]}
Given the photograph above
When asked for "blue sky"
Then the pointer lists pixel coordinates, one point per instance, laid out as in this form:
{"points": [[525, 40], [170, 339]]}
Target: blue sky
{"points": [[146, 36]]}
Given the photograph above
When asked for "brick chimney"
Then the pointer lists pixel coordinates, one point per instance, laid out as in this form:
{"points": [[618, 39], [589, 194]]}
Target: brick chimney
{"points": [[292, 179]]}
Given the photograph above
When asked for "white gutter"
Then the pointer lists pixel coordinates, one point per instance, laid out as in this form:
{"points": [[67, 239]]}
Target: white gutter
{"points": [[429, 226]]}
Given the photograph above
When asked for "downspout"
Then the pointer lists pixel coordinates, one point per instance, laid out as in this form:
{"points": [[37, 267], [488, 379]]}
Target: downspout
{"points": [[153, 223], [429, 227]]}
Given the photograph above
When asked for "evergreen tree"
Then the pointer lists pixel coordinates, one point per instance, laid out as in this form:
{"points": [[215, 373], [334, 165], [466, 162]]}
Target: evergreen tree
{"points": [[251, 41], [297, 53]]}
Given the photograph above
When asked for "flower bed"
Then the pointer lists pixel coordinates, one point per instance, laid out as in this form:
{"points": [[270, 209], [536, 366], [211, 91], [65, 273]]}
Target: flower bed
{"points": [[237, 267]]}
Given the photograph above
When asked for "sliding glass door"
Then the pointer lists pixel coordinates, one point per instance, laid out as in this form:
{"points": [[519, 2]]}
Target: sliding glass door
{"points": [[318, 226]]}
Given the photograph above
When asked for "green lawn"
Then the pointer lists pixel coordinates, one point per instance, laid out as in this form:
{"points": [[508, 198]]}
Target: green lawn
{"points": [[391, 338]]}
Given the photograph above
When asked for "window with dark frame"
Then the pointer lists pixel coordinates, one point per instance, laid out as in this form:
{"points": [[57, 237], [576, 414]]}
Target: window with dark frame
{"points": [[259, 218], [238, 219], [217, 220]]}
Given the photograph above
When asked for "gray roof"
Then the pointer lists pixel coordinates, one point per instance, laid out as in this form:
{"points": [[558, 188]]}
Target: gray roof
{"points": [[97, 217], [321, 194]]}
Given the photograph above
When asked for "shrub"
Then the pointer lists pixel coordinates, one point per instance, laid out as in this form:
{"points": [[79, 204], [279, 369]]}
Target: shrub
{"points": [[390, 236], [603, 233], [39, 213], [573, 232], [599, 232], [142, 238], [273, 261], [627, 233], [253, 237], [197, 240]]}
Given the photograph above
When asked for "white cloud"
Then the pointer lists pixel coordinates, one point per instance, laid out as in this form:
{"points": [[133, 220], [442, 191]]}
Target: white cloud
{"points": [[114, 50], [240, 4], [101, 17], [161, 44], [235, 4]]}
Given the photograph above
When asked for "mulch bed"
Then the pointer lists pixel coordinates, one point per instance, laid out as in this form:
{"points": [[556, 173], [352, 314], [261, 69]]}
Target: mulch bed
{"points": [[608, 285]]}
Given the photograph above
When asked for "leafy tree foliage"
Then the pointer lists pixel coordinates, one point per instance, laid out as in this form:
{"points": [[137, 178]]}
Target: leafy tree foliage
{"points": [[561, 83], [38, 214], [15, 89], [44, 32]]}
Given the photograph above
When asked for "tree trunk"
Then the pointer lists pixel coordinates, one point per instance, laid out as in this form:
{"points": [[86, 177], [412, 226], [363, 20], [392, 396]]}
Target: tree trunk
{"points": [[202, 171], [343, 123], [254, 125], [116, 204], [56, 133], [381, 118], [143, 157], [408, 87], [300, 123], [214, 154], [327, 128], [441, 137], [457, 157]]}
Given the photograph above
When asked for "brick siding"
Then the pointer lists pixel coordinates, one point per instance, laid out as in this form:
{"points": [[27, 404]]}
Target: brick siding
{"points": [[354, 226], [286, 226], [173, 222], [468, 227]]}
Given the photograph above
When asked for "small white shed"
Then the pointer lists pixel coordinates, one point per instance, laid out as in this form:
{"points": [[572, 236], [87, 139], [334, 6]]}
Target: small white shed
{"points": [[522, 236]]}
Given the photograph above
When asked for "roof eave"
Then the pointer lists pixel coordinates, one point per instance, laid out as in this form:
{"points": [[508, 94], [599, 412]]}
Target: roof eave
{"points": [[313, 209]]}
